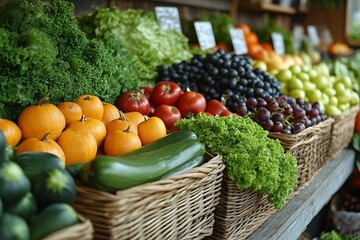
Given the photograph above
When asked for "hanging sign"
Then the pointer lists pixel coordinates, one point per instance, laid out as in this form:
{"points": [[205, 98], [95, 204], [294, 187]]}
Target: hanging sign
{"points": [[278, 43], [205, 34], [313, 35], [168, 18], [238, 41]]}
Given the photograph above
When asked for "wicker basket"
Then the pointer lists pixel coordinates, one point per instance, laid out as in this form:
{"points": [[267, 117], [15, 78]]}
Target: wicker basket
{"points": [[181, 207], [342, 131], [239, 213], [83, 230]]}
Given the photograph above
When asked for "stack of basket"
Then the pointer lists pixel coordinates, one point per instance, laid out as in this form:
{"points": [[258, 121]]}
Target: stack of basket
{"points": [[181, 207]]}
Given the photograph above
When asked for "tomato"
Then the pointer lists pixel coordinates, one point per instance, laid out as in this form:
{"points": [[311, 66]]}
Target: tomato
{"points": [[226, 112], [191, 104], [165, 93], [133, 101], [357, 123], [168, 113], [147, 91], [215, 107]]}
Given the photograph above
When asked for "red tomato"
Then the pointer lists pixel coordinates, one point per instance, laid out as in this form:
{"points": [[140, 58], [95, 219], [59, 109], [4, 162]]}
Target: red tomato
{"points": [[191, 104], [147, 91], [169, 114], [133, 101], [165, 93], [357, 122], [215, 107], [226, 112]]}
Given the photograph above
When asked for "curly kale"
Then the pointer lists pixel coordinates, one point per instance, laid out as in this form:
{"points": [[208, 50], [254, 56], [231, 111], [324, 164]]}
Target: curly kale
{"points": [[253, 161], [43, 52]]}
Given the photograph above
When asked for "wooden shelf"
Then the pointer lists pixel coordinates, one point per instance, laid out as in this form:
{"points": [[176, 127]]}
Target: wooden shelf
{"points": [[268, 7], [292, 220]]}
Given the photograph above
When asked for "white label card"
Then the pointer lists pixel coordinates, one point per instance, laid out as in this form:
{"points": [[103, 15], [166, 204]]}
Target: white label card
{"points": [[238, 41], [168, 18], [278, 43], [205, 34], [298, 32], [313, 35]]}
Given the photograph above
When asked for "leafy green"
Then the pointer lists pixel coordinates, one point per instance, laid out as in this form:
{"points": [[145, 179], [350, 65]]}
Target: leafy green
{"points": [[253, 161], [333, 235], [142, 35], [43, 52]]}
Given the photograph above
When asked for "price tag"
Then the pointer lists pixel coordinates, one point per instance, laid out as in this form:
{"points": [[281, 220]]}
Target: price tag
{"points": [[313, 35], [298, 33], [168, 18], [238, 41], [278, 43], [205, 34], [326, 36]]}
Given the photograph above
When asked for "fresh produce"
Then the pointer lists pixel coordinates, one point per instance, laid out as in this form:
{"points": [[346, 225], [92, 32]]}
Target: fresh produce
{"points": [[71, 111], [120, 142], [168, 113], [148, 44], [3, 146], [133, 101], [215, 107], [195, 162], [135, 117], [41, 145], [13, 227], [11, 131], [91, 106], [90, 125], [283, 114], [191, 103], [14, 185], [165, 93], [78, 146], [37, 120], [221, 75], [54, 186], [54, 217], [111, 112], [47, 54], [333, 235], [35, 163], [129, 170], [26, 208], [253, 160], [316, 84], [151, 130], [122, 124]]}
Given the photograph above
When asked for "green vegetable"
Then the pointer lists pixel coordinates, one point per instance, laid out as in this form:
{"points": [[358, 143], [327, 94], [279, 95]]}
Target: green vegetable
{"points": [[35, 163], [53, 218], [195, 162], [13, 227], [333, 235], [14, 185], [3, 150], [74, 169], [116, 173], [139, 31], [26, 208], [10, 151], [253, 161], [54, 186], [43, 52]]}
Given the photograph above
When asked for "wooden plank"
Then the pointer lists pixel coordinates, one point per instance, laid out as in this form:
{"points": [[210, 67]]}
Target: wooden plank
{"points": [[267, 7], [292, 220], [220, 5]]}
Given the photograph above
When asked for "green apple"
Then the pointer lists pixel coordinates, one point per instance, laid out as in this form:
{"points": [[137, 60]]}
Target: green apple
{"points": [[332, 110], [303, 76], [321, 82], [297, 93], [295, 69], [295, 83], [284, 75], [314, 95], [309, 86]]}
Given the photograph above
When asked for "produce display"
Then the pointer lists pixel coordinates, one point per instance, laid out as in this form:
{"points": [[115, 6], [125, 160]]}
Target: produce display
{"points": [[261, 166], [47, 54], [36, 193], [139, 31]]}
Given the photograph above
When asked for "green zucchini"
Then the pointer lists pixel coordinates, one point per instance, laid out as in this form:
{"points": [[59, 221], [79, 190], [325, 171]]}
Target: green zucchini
{"points": [[9, 152], [174, 137], [14, 185], [116, 173], [195, 162], [74, 169], [53, 218], [3, 145], [13, 227], [1, 208], [34, 163], [26, 208], [54, 186]]}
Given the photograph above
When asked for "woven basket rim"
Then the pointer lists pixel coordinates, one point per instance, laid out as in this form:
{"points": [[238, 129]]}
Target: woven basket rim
{"points": [[346, 113]]}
